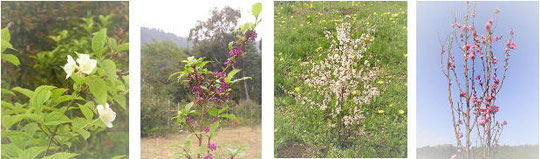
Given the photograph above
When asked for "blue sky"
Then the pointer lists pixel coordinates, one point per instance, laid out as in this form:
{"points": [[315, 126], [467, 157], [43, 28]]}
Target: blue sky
{"points": [[519, 96]]}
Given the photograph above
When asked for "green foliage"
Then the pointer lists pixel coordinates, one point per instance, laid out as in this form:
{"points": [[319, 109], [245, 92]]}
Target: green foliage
{"points": [[159, 59], [6, 37], [46, 35], [63, 122], [299, 36]]}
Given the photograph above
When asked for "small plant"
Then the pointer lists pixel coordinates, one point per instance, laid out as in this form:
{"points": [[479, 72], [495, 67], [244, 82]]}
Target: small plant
{"points": [[473, 87], [212, 89]]}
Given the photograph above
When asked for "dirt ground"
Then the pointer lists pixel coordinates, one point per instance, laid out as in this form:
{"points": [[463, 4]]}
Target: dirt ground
{"points": [[249, 136]]}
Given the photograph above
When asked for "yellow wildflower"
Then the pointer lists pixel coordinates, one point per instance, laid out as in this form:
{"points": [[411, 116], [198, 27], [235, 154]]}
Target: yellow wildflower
{"points": [[380, 82], [297, 89], [380, 111], [401, 111]]}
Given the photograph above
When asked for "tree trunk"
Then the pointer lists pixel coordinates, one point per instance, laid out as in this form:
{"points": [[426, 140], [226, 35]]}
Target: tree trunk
{"points": [[245, 82]]}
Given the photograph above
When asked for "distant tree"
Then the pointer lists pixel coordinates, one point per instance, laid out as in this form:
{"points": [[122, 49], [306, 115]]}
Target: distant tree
{"points": [[159, 59], [210, 39]]}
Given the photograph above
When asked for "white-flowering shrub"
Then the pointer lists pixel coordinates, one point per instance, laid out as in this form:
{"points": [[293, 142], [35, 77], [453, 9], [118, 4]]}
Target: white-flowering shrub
{"points": [[342, 83]]}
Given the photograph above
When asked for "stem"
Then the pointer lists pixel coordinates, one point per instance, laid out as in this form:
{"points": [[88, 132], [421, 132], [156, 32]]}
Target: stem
{"points": [[50, 140]]}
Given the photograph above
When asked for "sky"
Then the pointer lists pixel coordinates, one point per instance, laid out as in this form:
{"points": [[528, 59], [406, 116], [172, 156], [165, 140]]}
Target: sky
{"points": [[518, 98], [179, 16]]}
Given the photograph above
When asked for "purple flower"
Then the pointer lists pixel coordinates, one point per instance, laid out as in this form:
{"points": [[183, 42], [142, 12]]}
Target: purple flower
{"points": [[206, 129], [251, 35], [189, 119], [212, 146], [218, 74], [235, 51], [209, 156]]}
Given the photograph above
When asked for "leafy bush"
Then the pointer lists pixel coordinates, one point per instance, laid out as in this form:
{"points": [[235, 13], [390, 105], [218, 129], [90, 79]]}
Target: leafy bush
{"points": [[75, 104]]}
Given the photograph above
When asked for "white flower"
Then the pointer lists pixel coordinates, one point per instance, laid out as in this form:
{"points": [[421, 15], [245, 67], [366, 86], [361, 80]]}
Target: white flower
{"points": [[107, 115], [70, 66], [86, 65]]}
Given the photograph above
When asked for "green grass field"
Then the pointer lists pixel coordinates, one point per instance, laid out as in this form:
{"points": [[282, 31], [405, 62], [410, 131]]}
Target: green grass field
{"points": [[299, 35]]}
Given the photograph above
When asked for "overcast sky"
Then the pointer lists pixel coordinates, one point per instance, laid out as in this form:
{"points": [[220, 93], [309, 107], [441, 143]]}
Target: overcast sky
{"points": [[179, 16]]}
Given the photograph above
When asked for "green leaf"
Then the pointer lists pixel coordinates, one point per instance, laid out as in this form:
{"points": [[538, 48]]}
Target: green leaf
{"points": [[121, 100], [231, 75], [98, 41], [188, 106], [56, 118], [109, 67], [256, 9], [213, 129], [180, 73], [85, 134], [229, 116], [32, 117], [32, 152], [8, 92], [30, 128], [98, 88], [223, 109], [11, 150], [213, 112], [119, 157], [231, 45], [61, 155], [87, 112], [122, 47], [41, 95], [8, 121], [11, 58], [6, 37], [176, 145], [240, 79], [28, 93]]}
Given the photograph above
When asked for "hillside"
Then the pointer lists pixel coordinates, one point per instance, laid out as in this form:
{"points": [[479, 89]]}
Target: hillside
{"points": [[150, 34]]}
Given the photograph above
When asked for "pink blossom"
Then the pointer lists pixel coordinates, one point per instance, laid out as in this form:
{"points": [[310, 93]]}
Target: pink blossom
{"points": [[489, 24], [477, 77], [494, 108], [482, 122], [462, 94], [504, 122], [496, 10]]}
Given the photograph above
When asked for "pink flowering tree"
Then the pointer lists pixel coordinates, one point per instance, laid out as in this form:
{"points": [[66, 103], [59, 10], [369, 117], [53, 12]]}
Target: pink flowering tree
{"points": [[475, 72], [212, 90]]}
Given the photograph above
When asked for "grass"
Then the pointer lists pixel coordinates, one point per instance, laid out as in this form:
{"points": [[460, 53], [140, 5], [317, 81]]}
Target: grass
{"points": [[299, 31]]}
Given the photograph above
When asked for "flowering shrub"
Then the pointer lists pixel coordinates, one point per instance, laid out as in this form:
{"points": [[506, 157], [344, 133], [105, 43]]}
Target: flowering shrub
{"points": [[50, 121], [320, 34], [342, 81], [212, 89], [473, 87]]}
